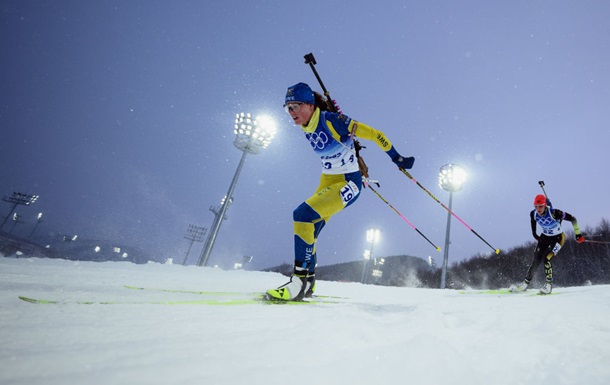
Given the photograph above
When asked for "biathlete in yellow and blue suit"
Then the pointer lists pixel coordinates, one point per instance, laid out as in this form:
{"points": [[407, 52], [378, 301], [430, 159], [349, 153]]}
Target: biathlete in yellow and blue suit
{"points": [[331, 136]]}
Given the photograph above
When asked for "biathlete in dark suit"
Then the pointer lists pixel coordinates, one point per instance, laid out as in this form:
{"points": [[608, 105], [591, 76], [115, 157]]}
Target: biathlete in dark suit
{"points": [[550, 240]]}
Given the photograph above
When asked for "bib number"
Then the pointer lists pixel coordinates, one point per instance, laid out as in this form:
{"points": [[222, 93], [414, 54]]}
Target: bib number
{"points": [[349, 192]]}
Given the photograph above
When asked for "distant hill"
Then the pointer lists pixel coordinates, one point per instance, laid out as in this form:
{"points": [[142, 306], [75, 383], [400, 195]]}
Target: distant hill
{"points": [[401, 270], [576, 264]]}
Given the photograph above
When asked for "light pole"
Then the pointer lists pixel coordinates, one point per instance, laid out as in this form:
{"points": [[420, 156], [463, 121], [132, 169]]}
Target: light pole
{"points": [[251, 136], [450, 178], [38, 220], [194, 234], [242, 265], [378, 269], [18, 199], [372, 236], [16, 219]]}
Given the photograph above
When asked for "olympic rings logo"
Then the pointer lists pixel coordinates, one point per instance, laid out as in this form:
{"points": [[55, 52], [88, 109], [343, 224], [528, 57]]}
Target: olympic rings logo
{"points": [[317, 140]]}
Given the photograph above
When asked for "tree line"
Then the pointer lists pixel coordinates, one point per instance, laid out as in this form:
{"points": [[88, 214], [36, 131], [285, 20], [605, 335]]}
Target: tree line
{"points": [[575, 265]]}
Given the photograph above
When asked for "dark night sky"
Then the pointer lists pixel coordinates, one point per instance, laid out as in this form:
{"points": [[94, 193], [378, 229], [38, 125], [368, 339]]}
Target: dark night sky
{"points": [[119, 114]]}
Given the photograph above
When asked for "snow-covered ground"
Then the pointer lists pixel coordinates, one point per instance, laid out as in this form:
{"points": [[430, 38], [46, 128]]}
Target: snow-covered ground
{"points": [[380, 335]]}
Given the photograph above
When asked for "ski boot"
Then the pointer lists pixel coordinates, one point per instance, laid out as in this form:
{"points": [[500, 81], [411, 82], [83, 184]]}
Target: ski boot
{"points": [[293, 290], [520, 287], [546, 288], [311, 285]]}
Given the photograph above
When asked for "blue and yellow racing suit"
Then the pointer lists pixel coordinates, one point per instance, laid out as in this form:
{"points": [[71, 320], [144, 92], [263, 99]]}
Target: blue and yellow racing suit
{"points": [[331, 136]]}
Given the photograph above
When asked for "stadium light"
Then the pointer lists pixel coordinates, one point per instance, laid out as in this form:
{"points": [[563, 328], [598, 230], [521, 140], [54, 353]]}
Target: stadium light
{"points": [[38, 220], [18, 199], [372, 237], [450, 178], [194, 234], [251, 136]]}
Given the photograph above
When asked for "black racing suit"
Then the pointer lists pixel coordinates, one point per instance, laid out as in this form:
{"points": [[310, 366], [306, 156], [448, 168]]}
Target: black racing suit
{"points": [[550, 240]]}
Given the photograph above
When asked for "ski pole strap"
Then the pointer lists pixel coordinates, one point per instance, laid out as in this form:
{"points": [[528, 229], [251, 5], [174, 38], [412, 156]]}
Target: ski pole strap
{"points": [[497, 251], [399, 214]]}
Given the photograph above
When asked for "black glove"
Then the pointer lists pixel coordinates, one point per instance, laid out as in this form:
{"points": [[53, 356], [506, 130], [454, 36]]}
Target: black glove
{"points": [[580, 238], [405, 163]]}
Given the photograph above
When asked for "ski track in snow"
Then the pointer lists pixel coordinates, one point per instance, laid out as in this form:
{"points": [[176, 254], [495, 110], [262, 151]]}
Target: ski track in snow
{"points": [[377, 335]]}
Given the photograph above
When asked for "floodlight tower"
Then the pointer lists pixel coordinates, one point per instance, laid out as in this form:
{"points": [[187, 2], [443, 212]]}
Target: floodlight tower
{"points": [[16, 219], [18, 199], [251, 136], [194, 234], [38, 220], [450, 178], [372, 236]]}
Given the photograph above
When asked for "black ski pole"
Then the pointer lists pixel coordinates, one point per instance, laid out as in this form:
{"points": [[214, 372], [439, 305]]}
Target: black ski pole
{"points": [[309, 59]]}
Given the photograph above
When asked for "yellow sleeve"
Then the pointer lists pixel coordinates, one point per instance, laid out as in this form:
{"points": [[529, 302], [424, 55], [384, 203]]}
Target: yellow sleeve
{"points": [[367, 132]]}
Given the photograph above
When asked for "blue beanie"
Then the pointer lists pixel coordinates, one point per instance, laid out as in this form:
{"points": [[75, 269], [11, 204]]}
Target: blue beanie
{"points": [[300, 93]]}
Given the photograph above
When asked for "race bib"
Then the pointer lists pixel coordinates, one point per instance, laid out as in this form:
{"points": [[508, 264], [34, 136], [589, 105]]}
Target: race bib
{"points": [[349, 192]]}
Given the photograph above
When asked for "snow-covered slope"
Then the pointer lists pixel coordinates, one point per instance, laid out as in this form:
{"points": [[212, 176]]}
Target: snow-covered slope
{"points": [[379, 335]]}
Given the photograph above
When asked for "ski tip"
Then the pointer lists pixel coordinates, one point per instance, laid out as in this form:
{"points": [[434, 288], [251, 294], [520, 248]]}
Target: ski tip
{"points": [[133, 287], [497, 251], [34, 300], [438, 248]]}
